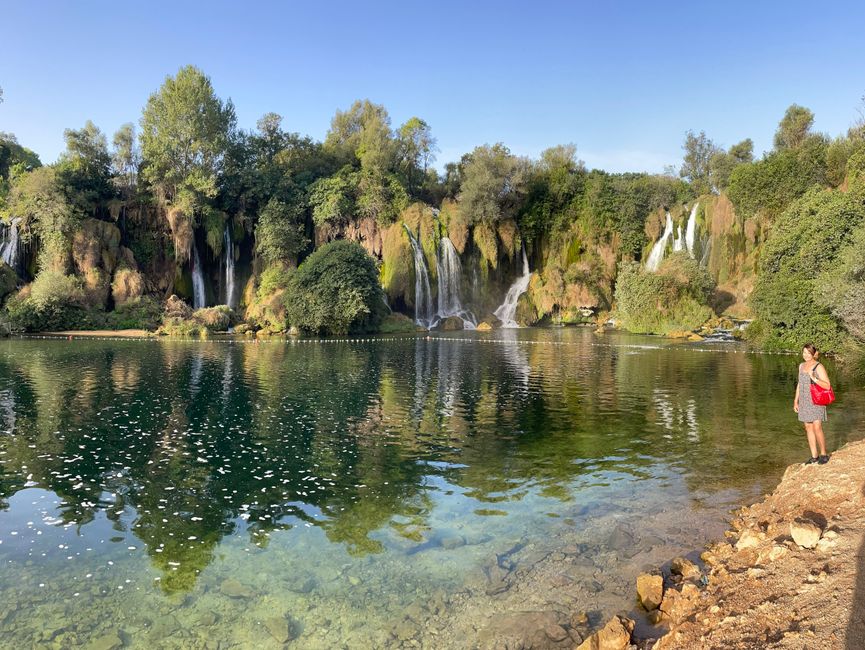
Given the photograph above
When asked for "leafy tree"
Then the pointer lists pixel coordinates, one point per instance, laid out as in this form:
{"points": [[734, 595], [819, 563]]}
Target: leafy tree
{"points": [[794, 128], [333, 198], [280, 234], [699, 150], [493, 183], [417, 149], [336, 291], [722, 163], [363, 134], [807, 241], [84, 168], [125, 160], [185, 134]]}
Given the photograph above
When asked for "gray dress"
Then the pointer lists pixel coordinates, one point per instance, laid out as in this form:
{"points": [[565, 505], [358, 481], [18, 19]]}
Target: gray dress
{"points": [[808, 411]]}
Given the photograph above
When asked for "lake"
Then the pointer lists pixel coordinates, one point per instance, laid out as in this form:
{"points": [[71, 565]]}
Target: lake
{"points": [[383, 492]]}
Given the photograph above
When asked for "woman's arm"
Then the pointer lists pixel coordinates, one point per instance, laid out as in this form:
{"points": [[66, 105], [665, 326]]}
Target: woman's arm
{"points": [[796, 398], [820, 377]]}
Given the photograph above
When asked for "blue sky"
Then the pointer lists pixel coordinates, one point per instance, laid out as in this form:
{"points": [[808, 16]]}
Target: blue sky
{"points": [[623, 81]]}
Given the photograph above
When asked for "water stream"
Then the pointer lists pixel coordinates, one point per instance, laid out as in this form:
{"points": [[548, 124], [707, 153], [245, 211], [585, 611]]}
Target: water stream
{"points": [[199, 298], [660, 247], [228, 245], [507, 311]]}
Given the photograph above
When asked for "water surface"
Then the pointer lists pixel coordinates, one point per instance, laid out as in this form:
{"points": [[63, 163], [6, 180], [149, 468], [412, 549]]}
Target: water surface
{"points": [[369, 493]]}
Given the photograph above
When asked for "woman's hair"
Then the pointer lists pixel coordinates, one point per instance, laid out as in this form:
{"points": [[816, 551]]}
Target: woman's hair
{"points": [[812, 349]]}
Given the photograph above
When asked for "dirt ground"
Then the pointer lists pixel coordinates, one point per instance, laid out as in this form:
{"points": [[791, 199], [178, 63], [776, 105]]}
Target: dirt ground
{"points": [[765, 590]]}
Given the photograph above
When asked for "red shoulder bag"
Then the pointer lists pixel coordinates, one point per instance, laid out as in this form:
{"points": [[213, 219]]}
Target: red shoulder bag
{"points": [[819, 395]]}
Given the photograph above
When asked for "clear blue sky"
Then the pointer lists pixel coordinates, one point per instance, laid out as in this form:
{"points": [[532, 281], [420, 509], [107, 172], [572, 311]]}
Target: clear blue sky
{"points": [[623, 81]]}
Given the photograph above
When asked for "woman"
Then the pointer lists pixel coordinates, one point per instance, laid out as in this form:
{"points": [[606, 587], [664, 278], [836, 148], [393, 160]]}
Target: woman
{"points": [[811, 415]]}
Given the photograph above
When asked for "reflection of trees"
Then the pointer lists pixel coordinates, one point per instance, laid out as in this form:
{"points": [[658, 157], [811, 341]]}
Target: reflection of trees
{"points": [[183, 443]]}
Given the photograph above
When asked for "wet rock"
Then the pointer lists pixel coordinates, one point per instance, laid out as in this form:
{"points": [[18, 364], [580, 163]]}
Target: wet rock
{"points": [[207, 619], [526, 630], [234, 589], [303, 585], [278, 628], [620, 539], [108, 642], [354, 581], [451, 542], [650, 591], [805, 532], [616, 635], [685, 568]]}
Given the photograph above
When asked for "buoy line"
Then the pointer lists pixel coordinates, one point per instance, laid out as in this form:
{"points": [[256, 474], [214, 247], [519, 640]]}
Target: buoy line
{"points": [[385, 339]]}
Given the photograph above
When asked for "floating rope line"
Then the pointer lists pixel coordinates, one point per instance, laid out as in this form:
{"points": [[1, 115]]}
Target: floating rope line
{"points": [[390, 339]]}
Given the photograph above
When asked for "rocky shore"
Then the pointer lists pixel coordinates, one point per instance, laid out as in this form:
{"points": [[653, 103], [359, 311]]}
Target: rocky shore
{"points": [[791, 573]]}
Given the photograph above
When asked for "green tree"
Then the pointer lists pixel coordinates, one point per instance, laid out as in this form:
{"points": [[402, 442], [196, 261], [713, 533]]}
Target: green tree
{"points": [[493, 184], [84, 169], [125, 160], [722, 163], [699, 150], [417, 149], [280, 234], [336, 291], [794, 128], [363, 134], [186, 131]]}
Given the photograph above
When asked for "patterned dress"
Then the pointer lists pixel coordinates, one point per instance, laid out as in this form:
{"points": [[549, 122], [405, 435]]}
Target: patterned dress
{"points": [[808, 411]]}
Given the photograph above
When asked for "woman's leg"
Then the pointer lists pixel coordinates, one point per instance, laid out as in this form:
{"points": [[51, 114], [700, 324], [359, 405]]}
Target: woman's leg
{"points": [[809, 430], [818, 434]]}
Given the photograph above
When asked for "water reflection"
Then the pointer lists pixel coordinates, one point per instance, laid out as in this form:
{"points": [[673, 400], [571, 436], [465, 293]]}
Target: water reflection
{"points": [[367, 455]]}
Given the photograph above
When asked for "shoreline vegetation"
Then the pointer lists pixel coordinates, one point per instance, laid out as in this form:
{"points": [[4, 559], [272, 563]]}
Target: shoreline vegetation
{"points": [[186, 227]]}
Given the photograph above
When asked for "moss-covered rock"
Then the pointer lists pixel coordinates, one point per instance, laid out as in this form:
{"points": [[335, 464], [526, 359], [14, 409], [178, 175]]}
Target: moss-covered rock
{"points": [[216, 319]]}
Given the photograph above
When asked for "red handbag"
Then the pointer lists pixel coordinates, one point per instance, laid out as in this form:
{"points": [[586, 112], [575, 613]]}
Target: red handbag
{"points": [[821, 396]]}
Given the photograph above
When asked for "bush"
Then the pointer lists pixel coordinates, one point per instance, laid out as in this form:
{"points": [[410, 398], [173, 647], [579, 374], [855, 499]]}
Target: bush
{"points": [[267, 309], [216, 319], [789, 298], [8, 281], [143, 314], [336, 291], [673, 299]]}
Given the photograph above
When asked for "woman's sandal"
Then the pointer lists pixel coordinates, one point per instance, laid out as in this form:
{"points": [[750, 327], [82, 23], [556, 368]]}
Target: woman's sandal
{"points": [[811, 461], [823, 459]]}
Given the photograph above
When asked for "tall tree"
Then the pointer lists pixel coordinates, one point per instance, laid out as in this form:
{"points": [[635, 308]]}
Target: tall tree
{"points": [[493, 183], [794, 128], [699, 150], [417, 151], [125, 159], [84, 169], [185, 133]]}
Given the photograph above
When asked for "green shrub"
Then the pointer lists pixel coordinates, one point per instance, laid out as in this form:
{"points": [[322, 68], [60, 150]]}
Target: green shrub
{"points": [[673, 299], [805, 244], [336, 291], [144, 313], [8, 281], [216, 319]]}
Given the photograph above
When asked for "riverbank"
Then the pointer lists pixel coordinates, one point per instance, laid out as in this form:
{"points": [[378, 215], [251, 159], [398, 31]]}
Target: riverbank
{"points": [[114, 334], [790, 575]]}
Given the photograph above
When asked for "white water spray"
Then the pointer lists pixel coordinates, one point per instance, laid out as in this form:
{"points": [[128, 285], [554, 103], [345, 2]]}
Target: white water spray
{"points": [[657, 254], [198, 296], [423, 315], [228, 245], [507, 311], [691, 230], [10, 244]]}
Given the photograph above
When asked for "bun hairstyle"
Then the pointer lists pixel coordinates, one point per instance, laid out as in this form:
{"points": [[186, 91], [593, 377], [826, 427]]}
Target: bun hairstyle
{"points": [[812, 349]]}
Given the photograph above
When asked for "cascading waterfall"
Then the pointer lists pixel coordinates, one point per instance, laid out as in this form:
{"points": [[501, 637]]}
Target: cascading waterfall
{"points": [[507, 311], [691, 230], [228, 245], [9, 247], [198, 297], [449, 277], [423, 309], [657, 254]]}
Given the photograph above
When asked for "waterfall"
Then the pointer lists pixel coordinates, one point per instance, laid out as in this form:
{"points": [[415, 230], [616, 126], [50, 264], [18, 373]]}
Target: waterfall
{"points": [[508, 309], [228, 244], [9, 245], [679, 240], [660, 246], [691, 230], [423, 309], [198, 298], [449, 277]]}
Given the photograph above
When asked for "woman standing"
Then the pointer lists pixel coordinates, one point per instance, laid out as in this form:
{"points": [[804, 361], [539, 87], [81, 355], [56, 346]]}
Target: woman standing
{"points": [[813, 416]]}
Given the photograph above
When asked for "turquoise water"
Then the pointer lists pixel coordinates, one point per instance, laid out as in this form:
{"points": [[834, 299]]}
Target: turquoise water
{"points": [[369, 493]]}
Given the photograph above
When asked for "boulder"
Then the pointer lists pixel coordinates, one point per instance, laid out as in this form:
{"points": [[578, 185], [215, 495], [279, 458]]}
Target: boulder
{"points": [[177, 308], [484, 326], [678, 604], [805, 532], [234, 589], [278, 628], [685, 568], [616, 635], [748, 539], [650, 591], [451, 324]]}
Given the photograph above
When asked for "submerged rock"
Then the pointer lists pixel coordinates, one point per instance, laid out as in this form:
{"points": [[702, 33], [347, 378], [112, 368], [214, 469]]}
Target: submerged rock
{"points": [[108, 642], [234, 589], [278, 628], [616, 635]]}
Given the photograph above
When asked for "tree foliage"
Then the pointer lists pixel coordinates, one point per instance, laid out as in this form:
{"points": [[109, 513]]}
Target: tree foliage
{"points": [[336, 291]]}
